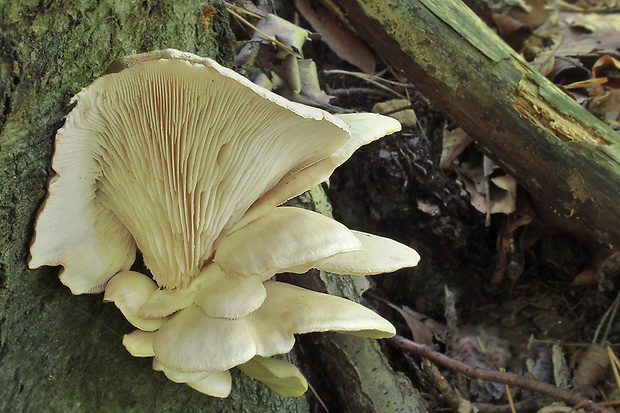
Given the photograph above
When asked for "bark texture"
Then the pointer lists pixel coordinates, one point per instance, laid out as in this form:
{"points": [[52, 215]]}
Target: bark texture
{"points": [[565, 157], [60, 352]]}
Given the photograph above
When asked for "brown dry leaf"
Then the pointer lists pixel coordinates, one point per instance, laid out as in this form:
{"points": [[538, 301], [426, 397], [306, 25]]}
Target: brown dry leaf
{"points": [[579, 35], [594, 22], [510, 245], [585, 278], [454, 142], [532, 13], [593, 365], [573, 39], [607, 67], [506, 24], [341, 40], [420, 332], [489, 195]]}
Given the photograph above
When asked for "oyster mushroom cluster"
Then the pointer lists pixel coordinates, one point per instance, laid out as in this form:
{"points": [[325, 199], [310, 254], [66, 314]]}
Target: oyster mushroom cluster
{"points": [[187, 162]]}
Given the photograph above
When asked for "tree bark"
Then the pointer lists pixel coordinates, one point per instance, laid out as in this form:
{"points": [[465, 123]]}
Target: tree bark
{"points": [[566, 158], [60, 352]]}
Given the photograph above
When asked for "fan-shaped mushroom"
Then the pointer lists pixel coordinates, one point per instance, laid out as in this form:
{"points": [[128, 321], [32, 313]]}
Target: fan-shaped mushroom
{"points": [[186, 161]]}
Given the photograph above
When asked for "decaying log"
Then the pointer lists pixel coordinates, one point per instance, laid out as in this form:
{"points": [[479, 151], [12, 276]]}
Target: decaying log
{"points": [[566, 158]]}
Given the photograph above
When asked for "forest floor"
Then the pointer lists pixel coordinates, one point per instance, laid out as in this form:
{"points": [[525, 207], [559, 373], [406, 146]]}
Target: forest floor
{"points": [[496, 288]]}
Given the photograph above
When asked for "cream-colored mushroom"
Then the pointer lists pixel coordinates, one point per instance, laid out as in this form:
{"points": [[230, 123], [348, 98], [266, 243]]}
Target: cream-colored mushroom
{"points": [[187, 162]]}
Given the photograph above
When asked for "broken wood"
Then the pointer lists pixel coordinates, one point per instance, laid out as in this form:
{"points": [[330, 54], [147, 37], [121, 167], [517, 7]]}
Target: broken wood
{"points": [[566, 158]]}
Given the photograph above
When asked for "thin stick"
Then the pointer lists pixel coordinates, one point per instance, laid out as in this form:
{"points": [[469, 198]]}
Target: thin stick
{"points": [[366, 77], [511, 403], [242, 10], [374, 80], [497, 376]]}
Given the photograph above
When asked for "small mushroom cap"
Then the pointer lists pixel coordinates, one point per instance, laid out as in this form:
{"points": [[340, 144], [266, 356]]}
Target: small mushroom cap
{"points": [[279, 375], [282, 238], [140, 343], [229, 296], [192, 341], [129, 290], [216, 384], [164, 302], [378, 255]]}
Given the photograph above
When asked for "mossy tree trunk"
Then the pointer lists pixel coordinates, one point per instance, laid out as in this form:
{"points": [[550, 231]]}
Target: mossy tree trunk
{"points": [[60, 352]]}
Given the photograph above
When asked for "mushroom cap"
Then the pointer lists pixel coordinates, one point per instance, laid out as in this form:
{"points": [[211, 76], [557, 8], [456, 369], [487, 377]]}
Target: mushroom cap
{"points": [[168, 151], [283, 238], [279, 375], [190, 340], [216, 384], [129, 290]]}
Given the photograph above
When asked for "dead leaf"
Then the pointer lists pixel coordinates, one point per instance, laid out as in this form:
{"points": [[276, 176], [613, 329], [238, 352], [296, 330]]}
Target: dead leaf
{"points": [[532, 15], [341, 40], [488, 195], [420, 332], [511, 245], [454, 142], [560, 369], [585, 278], [592, 366], [310, 87]]}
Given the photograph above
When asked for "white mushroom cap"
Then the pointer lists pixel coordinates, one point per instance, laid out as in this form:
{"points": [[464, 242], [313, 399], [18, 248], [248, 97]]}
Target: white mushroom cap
{"points": [[170, 152], [217, 384], [378, 255], [129, 290], [279, 375], [192, 341], [140, 343], [284, 237], [364, 128]]}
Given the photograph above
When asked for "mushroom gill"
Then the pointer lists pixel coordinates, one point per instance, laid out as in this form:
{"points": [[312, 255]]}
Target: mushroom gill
{"points": [[174, 156]]}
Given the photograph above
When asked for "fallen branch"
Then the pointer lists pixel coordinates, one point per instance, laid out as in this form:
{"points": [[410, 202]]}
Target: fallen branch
{"points": [[568, 160], [510, 379]]}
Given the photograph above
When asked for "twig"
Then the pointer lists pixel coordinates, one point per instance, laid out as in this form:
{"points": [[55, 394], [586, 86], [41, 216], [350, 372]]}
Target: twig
{"points": [[243, 10], [358, 91], [511, 403], [265, 35], [318, 398], [453, 399], [453, 336], [521, 406], [497, 376], [374, 80], [610, 311]]}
